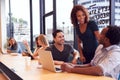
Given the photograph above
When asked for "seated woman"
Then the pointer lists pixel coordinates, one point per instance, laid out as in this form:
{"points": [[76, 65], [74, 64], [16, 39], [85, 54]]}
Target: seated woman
{"points": [[41, 44], [28, 51], [13, 46]]}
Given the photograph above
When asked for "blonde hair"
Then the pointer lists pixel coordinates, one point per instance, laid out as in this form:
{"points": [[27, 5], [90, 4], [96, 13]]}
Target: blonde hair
{"points": [[43, 39]]}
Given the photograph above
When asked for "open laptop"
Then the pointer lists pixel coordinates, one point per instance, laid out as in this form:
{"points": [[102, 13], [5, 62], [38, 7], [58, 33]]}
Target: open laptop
{"points": [[46, 60]]}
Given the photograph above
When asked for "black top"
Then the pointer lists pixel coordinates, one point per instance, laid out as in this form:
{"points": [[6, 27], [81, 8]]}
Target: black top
{"points": [[61, 56], [88, 39]]}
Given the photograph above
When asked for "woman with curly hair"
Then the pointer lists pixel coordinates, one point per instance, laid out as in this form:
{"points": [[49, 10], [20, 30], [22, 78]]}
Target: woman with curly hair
{"points": [[87, 33]]}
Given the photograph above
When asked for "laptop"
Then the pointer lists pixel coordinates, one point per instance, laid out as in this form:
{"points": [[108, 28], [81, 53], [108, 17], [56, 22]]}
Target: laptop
{"points": [[46, 60]]}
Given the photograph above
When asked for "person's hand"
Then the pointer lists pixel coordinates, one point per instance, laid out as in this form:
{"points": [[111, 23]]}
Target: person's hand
{"points": [[24, 54], [74, 61], [82, 59], [63, 67], [73, 65], [8, 51], [67, 67], [25, 43], [58, 62]]}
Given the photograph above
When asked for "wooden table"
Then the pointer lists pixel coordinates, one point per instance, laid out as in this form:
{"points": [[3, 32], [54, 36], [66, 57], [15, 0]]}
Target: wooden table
{"points": [[34, 72]]}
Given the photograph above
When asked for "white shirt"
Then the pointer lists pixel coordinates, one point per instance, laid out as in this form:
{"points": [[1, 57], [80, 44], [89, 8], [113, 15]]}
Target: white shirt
{"points": [[108, 59]]}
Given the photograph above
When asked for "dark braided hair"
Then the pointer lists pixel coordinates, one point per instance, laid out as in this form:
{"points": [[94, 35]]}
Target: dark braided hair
{"points": [[113, 34]]}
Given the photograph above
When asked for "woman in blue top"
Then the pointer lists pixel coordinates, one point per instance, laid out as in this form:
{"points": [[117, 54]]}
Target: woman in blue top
{"points": [[87, 32], [13, 46]]}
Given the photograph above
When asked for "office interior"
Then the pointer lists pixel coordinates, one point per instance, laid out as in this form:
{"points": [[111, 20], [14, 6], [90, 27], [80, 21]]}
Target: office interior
{"points": [[26, 19]]}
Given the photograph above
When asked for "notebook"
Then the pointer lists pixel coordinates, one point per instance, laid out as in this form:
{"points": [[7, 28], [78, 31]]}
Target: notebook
{"points": [[46, 60]]}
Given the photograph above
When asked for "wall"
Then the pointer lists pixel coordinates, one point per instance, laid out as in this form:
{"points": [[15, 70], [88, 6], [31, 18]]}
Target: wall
{"points": [[3, 37], [0, 26]]}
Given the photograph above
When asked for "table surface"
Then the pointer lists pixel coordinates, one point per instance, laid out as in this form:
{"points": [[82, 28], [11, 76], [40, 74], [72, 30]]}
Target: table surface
{"points": [[33, 71]]}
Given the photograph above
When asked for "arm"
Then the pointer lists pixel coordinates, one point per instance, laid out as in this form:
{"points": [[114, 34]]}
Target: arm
{"points": [[14, 49], [94, 28], [82, 58], [89, 70], [35, 53], [97, 34], [27, 47], [9, 49], [75, 56], [93, 70], [82, 66], [58, 62]]}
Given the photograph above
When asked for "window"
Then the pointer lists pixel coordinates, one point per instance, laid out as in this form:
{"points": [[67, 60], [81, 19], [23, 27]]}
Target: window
{"points": [[36, 19], [117, 13], [49, 27], [18, 21], [63, 19]]}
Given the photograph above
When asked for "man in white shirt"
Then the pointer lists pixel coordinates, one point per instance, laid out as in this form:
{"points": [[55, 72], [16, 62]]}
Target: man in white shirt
{"points": [[106, 61]]}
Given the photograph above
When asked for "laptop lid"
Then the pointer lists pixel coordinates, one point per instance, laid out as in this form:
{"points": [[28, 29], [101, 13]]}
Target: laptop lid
{"points": [[46, 60]]}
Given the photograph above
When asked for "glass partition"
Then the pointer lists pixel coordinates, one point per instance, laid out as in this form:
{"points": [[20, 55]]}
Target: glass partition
{"points": [[36, 19], [48, 6], [117, 12], [63, 19], [18, 20], [49, 27]]}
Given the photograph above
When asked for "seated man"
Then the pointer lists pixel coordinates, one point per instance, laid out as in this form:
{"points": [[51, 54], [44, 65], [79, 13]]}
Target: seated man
{"points": [[107, 56], [61, 51]]}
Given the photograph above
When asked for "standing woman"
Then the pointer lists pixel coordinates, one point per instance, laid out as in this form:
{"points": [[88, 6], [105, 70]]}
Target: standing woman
{"points": [[87, 33]]}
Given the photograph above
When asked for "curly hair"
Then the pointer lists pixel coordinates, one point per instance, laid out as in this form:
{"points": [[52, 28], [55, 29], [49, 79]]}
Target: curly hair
{"points": [[113, 34], [75, 9]]}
